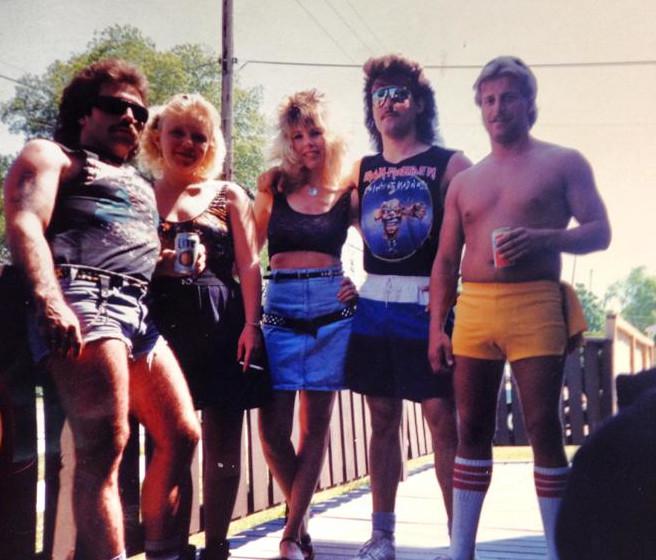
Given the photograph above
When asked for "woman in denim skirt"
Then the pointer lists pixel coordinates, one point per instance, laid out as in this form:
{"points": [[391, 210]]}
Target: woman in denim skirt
{"points": [[303, 214]]}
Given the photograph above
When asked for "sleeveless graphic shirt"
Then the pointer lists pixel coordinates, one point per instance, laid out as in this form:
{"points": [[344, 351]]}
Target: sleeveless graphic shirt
{"points": [[401, 209]]}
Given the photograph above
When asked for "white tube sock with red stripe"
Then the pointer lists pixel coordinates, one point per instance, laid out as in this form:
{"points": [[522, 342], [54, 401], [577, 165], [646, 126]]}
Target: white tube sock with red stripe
{"points": [[471, 479], [549, 486]]}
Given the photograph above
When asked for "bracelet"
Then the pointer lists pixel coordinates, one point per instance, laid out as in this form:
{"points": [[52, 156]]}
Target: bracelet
{"points": [[253, 323]]}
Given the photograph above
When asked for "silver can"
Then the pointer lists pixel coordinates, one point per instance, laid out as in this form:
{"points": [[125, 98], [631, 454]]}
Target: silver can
{"points": [[187, 249]]}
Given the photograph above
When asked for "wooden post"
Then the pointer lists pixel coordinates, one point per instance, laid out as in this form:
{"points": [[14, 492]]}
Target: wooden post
{"points": [[227, 63]]}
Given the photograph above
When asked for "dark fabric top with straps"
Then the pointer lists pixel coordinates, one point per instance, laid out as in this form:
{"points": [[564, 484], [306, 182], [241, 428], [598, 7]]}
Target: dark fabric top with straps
{"points": [[401, 208], [213, 228], [290, 230], [105, 217]]}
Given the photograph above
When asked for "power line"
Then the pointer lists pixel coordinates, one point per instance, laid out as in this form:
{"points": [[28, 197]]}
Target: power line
{"points": [[366, 25], [605, 63], [348, 25], [318, 23], [10, 79]]}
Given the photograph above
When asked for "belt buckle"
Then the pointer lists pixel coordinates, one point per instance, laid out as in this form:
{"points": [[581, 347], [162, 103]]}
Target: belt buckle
{"points": [[186, 281]]}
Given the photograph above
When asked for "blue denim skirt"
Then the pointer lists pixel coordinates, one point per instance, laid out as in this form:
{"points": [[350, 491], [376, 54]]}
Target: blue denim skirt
{"points": [[310, 361]]}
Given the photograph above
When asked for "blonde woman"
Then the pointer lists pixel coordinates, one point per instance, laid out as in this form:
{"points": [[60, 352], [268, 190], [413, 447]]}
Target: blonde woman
{"points": [[210, 320], [304, 214]]}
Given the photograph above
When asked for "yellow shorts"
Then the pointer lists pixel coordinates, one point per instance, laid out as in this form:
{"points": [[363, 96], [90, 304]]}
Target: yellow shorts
{"points": [[510, 321]]}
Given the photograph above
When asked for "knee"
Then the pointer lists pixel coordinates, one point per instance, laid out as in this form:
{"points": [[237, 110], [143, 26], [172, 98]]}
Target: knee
{"points": [[187, 436], [443, 428], [100, 445], [274, 439], [473, 431], [385, 427], [545, 432]]}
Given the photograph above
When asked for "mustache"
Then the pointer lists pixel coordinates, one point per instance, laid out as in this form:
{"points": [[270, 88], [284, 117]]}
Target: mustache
{"points": [[124, 126]]}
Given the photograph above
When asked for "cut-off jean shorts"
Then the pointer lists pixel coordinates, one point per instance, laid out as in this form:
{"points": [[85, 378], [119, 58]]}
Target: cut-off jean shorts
{"points": [[305, 360], [104, 313]]}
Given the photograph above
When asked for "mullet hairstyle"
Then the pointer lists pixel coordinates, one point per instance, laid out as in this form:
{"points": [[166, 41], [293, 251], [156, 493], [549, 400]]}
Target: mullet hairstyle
{"points": [[307, 109], [192, 105], [515, 68], [78, 97], [393, 67]]}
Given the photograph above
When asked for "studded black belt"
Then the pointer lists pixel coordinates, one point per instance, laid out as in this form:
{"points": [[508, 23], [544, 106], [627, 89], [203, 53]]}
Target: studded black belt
{"points": [[307, 326]]}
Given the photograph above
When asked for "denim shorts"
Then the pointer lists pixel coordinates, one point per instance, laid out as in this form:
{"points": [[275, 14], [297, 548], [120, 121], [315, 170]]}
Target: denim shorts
{"points": [[122, 315], [301, 360]]}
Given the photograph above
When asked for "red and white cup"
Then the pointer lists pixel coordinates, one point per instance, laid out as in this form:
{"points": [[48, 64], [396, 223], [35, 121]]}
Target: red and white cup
{"points": [[499, 260]]}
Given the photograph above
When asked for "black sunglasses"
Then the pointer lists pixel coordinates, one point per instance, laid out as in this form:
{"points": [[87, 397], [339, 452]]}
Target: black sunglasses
{"points": [[396, 94], [118, 106]]}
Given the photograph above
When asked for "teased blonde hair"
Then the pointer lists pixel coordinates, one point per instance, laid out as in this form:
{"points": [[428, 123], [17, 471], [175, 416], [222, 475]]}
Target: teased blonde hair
{"points": [[307, 109], [184, 104]]}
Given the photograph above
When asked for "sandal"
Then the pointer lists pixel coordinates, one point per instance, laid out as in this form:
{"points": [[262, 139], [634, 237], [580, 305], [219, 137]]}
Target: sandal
{"points": [[306, 546], [290, 540]]}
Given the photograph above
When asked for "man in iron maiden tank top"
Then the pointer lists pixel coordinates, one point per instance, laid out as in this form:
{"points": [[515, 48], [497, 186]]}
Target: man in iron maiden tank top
{"points": [[401, 194]]}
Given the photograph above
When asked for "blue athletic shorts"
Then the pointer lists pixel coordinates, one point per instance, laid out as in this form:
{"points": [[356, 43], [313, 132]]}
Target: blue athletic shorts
{"points": [[121, 315], [388, 351], [301, 360]]}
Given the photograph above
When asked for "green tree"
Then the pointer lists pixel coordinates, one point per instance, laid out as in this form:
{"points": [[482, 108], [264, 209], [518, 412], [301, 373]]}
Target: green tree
{"points": [[592, 308], [5, 162], [184, 68], [636, 296]]}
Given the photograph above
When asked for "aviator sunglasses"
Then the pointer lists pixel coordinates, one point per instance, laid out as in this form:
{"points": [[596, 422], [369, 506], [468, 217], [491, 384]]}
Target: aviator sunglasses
{"points": [[118, 106], [396, 94]]}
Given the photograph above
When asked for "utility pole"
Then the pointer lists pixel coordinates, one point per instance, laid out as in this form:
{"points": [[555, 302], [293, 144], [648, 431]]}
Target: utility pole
{"points": [[227, 65]]}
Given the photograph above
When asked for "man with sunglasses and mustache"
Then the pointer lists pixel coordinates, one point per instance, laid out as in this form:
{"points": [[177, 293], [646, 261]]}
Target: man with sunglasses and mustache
{"points": [[387, 358], [82, 227]]}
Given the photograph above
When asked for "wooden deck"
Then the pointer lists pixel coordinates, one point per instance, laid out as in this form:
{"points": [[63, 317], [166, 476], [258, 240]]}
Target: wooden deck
{"points": [[510, 525]]}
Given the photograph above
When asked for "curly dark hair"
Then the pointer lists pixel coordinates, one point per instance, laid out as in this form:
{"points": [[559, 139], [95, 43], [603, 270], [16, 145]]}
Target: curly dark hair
{"points": [[83, 89], [393, 66]]}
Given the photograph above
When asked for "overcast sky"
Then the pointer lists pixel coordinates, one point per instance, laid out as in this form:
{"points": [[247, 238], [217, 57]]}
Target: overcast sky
{"points": [[595, 62]]}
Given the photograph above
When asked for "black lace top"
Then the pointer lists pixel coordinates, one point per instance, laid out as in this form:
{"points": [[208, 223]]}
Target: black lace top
{"points": [[213, 227], [290, 230]]}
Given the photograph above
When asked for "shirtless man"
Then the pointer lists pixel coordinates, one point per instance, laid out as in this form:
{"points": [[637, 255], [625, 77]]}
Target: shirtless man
{"points": [[82, 227], [512, 313]]}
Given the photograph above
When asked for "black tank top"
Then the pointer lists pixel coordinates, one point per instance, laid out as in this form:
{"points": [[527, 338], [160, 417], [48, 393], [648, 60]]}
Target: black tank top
{"points": [[105, 219], [290, 230], [213, 228], [401, 209]]}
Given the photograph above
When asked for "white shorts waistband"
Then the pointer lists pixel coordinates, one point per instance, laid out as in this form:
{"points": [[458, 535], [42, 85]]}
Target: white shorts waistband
{"points": [[396, 289]]}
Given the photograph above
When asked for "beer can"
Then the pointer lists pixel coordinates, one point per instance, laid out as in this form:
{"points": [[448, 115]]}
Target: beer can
{"points": [[499, 260], [187, 249]]}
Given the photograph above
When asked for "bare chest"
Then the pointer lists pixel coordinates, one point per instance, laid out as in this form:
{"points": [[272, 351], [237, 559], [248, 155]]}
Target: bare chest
{"points": [[532, 197]]}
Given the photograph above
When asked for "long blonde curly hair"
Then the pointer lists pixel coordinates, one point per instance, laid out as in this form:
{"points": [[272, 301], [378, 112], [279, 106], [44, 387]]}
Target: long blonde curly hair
{"points": [[308, 109]]}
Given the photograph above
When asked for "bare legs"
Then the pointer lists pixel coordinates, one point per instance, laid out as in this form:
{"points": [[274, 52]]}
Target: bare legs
{"points": [[296, 471], [94, 390], [384, 451], [160, 400], [441, 417], [222, 433], [476, 386], [385, 448], [94, 393]]}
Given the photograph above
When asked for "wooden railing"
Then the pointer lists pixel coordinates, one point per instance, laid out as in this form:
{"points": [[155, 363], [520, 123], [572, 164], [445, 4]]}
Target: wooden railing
{"points": [[587, 396], [586, 401]]}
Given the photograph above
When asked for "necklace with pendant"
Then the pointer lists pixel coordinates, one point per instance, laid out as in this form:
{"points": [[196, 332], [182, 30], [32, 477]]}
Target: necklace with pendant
{"points": [[312, 190]]}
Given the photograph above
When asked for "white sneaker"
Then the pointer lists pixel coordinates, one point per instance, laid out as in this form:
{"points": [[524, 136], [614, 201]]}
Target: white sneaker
{"points": [[378, 547]]}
